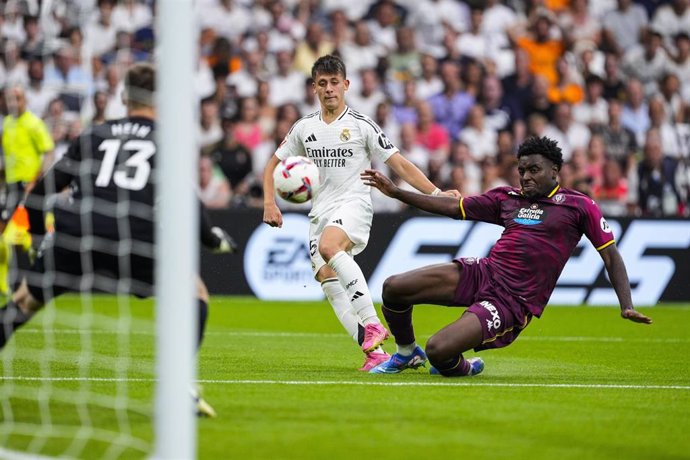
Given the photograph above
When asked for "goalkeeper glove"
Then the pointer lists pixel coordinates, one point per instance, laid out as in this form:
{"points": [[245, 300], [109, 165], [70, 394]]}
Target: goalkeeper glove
{"points": [[226, 244]]}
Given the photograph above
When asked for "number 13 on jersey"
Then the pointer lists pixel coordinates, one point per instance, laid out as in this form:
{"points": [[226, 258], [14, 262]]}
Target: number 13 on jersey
{"points": [[138, 162]]}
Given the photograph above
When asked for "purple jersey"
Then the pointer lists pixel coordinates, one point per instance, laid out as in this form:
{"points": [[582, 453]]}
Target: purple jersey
{"points": [[538, 239]]}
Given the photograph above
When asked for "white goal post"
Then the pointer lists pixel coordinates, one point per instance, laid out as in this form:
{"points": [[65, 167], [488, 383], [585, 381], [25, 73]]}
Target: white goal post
{"points": [[177, 237]]}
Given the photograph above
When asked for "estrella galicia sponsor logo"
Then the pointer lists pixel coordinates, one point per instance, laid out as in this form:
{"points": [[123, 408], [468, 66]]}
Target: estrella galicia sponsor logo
{"points": [[533, 215], [495, 321], [277, 261]]}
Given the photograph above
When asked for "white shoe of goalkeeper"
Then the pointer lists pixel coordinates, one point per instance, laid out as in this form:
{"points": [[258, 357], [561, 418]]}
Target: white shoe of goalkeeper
{"points": [[203, 408]]}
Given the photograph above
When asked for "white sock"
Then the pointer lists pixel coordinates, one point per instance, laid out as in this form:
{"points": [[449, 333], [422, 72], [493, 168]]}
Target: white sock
{"points": [[355, 285], [341, 306], [406, 350]]}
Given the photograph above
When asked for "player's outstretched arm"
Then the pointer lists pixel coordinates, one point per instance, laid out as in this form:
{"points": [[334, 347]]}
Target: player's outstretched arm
{"points": [[442, 205], [411, 174], [619, 279], [272, 215]]}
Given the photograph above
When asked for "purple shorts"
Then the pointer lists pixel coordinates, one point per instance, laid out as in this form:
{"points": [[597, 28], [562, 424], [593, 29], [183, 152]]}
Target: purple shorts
{"points": [[502, 316]]}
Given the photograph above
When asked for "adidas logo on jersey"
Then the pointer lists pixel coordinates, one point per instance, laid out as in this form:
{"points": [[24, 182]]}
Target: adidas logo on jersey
{"points": [[356, 296], [311, 138], [338, 221]]}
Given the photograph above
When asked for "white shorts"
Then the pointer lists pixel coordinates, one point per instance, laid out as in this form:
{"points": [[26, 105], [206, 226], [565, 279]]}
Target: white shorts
{"points": [[352, 217]]}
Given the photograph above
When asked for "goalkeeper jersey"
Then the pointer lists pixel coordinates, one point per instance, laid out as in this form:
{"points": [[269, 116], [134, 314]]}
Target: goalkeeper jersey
{"points": [[342, 150]]}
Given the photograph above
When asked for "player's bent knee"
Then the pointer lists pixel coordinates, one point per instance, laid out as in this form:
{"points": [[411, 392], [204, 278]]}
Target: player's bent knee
{"points": [[439, 350], [391, 292]]}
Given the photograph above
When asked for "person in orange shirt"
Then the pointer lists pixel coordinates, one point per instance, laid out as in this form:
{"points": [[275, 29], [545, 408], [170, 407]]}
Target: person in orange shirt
{"points": [[543, 50]]}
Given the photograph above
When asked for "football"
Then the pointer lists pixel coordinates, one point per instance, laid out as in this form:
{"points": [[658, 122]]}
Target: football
{"points": [[296, 179]]}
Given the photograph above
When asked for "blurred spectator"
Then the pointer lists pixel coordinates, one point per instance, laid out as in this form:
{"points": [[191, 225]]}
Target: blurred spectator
{"points": [[131, 15], [214, 189], [314, 45], [33, 44], [37, 96], [477, 136], [210, 130], [680, 64], [517, 90], [228, 18], [412, 150], [403, 62], [579, 24], [539, 99], [244, 82], [612, 193], [669, 94], [13, 67], [387, 122], [474, 43], [567, 87], [384, 24], [287, 85], [672, 19], [657, 192], [406, 111], [362, 52], [543, 50], [635, 115], [267, 113], [369, 95], [432, 136], [498, 18], [613, 83], [497, 115], [620, 141], [450, 108], [247, 130], [66, 77], [101, 31], [472, 76], [623, 27], [310, 103], [429, 18], [569, 134], [659, 122], [646, 63], [593, 111], [429, 83], [340, 28], [491, 177], [596, 156], [233, 158]]}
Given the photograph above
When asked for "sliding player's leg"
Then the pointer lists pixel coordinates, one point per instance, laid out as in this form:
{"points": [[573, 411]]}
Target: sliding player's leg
{"points": [[435, 284]]}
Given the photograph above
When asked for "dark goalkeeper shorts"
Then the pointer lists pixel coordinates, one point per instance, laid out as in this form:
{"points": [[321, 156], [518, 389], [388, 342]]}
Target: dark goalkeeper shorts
{"points": [[502, 316], [64, 265]]}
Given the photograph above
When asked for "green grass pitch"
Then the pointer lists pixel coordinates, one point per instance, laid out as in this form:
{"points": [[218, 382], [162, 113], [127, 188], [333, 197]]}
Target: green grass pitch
{"points": [[579, 383]]}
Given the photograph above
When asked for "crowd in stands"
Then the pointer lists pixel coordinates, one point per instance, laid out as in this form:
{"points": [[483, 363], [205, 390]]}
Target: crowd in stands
{"points": [[456, 85]]}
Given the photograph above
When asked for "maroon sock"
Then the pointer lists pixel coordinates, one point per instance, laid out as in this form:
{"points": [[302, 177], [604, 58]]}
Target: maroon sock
{"points": [[399, 319], [454, 367]]}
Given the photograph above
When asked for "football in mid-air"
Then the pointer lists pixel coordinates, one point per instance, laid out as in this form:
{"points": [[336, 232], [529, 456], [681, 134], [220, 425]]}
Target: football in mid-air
{"points": [[296, 179]]}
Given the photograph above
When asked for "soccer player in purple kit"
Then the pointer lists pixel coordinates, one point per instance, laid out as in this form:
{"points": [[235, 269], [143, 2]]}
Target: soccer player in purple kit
{"points": [[543, 224]]}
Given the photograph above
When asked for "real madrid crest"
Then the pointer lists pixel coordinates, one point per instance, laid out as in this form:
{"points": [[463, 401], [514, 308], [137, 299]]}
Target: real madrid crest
{"points": [[345, 135]]}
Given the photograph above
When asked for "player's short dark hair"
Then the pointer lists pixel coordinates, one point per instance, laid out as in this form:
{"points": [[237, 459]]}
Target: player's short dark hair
{"points": [[548, 148], [140, 84], [328, 65]]}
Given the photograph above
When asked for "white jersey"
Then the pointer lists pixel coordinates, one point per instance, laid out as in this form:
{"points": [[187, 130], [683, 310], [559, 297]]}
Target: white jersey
{"points": [[342, 150]]}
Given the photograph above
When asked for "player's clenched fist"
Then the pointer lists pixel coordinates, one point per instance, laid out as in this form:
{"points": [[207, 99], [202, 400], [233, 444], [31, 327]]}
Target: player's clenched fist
{"points": [[272, 215]]}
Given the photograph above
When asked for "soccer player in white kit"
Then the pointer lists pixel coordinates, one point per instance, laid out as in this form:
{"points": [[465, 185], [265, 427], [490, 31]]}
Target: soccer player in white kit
{"points": [[342, 142]]}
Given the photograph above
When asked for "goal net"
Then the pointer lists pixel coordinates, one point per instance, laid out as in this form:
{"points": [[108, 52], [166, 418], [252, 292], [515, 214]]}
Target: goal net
{"points": [[99, 373]]}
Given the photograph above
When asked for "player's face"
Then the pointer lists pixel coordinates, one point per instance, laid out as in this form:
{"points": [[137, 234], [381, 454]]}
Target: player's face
{"points": [[331, 90], [537, 175]]}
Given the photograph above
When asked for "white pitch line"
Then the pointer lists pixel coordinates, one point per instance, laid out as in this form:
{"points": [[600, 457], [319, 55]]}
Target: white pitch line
{"points": [[337, 335], [366, 383]]}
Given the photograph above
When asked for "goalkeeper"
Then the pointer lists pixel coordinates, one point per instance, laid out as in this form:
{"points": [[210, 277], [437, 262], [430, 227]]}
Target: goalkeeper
{"points": [[104, 228]]}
